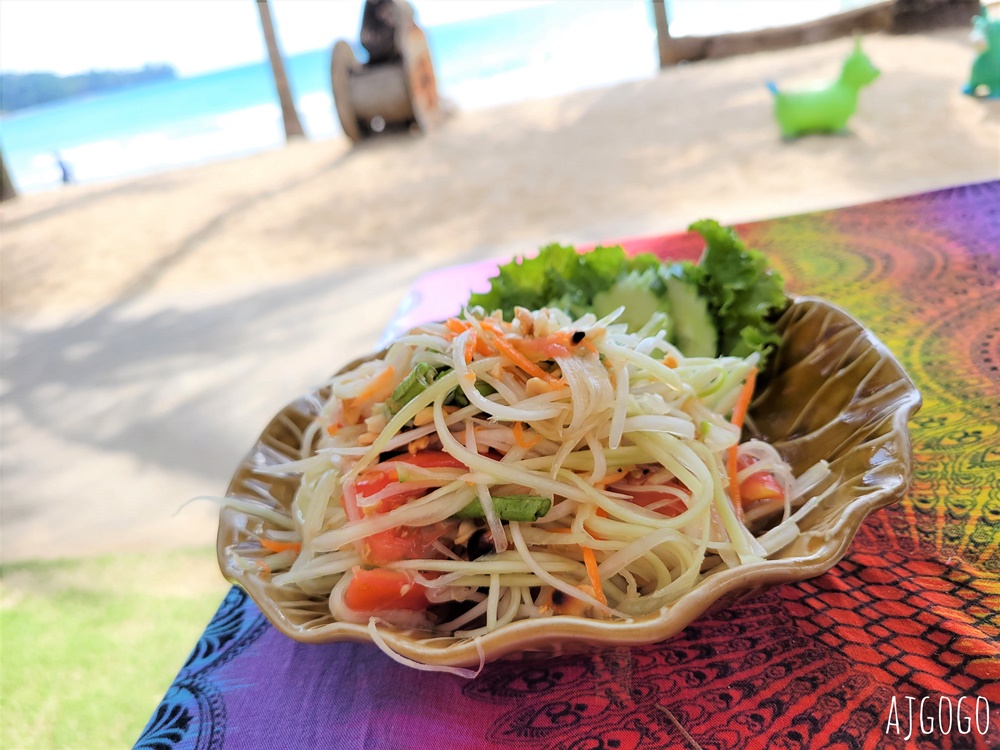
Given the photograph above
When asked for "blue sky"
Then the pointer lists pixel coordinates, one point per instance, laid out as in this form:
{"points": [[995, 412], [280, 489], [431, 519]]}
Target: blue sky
{"points": [[195, 36]]}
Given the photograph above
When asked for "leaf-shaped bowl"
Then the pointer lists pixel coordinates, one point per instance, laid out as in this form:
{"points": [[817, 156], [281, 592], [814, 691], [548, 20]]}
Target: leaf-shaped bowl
{"points": [[833, 391]]}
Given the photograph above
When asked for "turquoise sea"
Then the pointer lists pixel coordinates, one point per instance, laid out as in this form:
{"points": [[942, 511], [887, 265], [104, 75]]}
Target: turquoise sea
{"points": [[529, 53]]}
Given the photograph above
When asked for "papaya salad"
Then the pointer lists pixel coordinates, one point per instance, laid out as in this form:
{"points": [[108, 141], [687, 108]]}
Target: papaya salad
{"points": [[500, 466]]}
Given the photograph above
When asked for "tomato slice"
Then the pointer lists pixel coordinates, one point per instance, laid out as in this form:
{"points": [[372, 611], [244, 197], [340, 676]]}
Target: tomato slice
{"points": [[759, 486], [374, 480], [379, 476], [546, 347], [381, 589], [402, 543], [645, 496], [405, 542], [762, 486], [430, 460]]}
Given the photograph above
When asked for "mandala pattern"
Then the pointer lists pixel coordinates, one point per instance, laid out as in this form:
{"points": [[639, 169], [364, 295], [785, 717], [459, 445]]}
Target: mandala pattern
{"points": [[193, 712], [748, 678], [811, 665], [924, 274]]}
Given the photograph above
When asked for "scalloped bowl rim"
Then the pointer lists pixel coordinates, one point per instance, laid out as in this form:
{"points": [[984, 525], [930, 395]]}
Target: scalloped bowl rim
{"points": [[546, 633]]}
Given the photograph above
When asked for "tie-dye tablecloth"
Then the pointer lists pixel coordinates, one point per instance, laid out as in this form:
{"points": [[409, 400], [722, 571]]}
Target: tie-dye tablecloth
{"points": [[897, 646]]}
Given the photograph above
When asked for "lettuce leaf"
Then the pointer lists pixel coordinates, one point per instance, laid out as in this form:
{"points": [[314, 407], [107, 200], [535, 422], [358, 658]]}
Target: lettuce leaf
{"points": [[744, 294], [558, 276]]}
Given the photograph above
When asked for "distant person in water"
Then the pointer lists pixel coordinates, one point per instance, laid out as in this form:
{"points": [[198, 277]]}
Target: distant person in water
{"points": [[378, 30], [67, 173]]}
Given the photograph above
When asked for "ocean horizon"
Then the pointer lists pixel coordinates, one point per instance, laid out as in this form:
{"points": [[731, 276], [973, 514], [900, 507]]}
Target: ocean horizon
{"points": [[529, 53]]}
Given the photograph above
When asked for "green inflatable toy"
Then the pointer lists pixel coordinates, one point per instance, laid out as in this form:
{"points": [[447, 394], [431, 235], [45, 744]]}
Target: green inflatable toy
{"points": [[828, 108], [984, 80]]}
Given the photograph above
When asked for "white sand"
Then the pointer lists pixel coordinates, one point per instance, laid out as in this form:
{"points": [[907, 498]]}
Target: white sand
{"points": [[152, 327]]}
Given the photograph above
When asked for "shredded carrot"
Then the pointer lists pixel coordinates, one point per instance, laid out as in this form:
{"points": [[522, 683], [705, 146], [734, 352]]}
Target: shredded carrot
{"points": [[470, 346], [739, 416], [599, 513], [609, 478], [333, 428], [483, 346], [743, 402], [380, 383], [519, 434], [670, 361], [594, 574], [276, 546], [506, 349], [456, 326], [558, 344], [480, 345], [351, 410], [520, 439], [263, 567]]}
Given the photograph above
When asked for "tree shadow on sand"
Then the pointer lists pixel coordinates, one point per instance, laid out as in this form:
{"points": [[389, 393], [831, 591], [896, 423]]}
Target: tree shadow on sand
{"points": [[187, 386]]}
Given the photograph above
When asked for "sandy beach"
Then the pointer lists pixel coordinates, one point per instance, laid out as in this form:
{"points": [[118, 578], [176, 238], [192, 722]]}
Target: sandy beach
{"points": [[151, 327]]}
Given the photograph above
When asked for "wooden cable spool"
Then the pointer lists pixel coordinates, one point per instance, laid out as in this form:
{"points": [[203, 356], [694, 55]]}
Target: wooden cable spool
{"points": [[390, 96]]}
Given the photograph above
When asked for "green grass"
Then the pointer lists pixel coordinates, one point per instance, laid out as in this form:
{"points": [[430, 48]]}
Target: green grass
{"points": [[88, 647]]}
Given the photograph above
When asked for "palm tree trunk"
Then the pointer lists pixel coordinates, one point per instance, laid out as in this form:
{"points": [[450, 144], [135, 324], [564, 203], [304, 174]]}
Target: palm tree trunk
{"points": [[7, 191], [663, 41], [293, 128]]}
